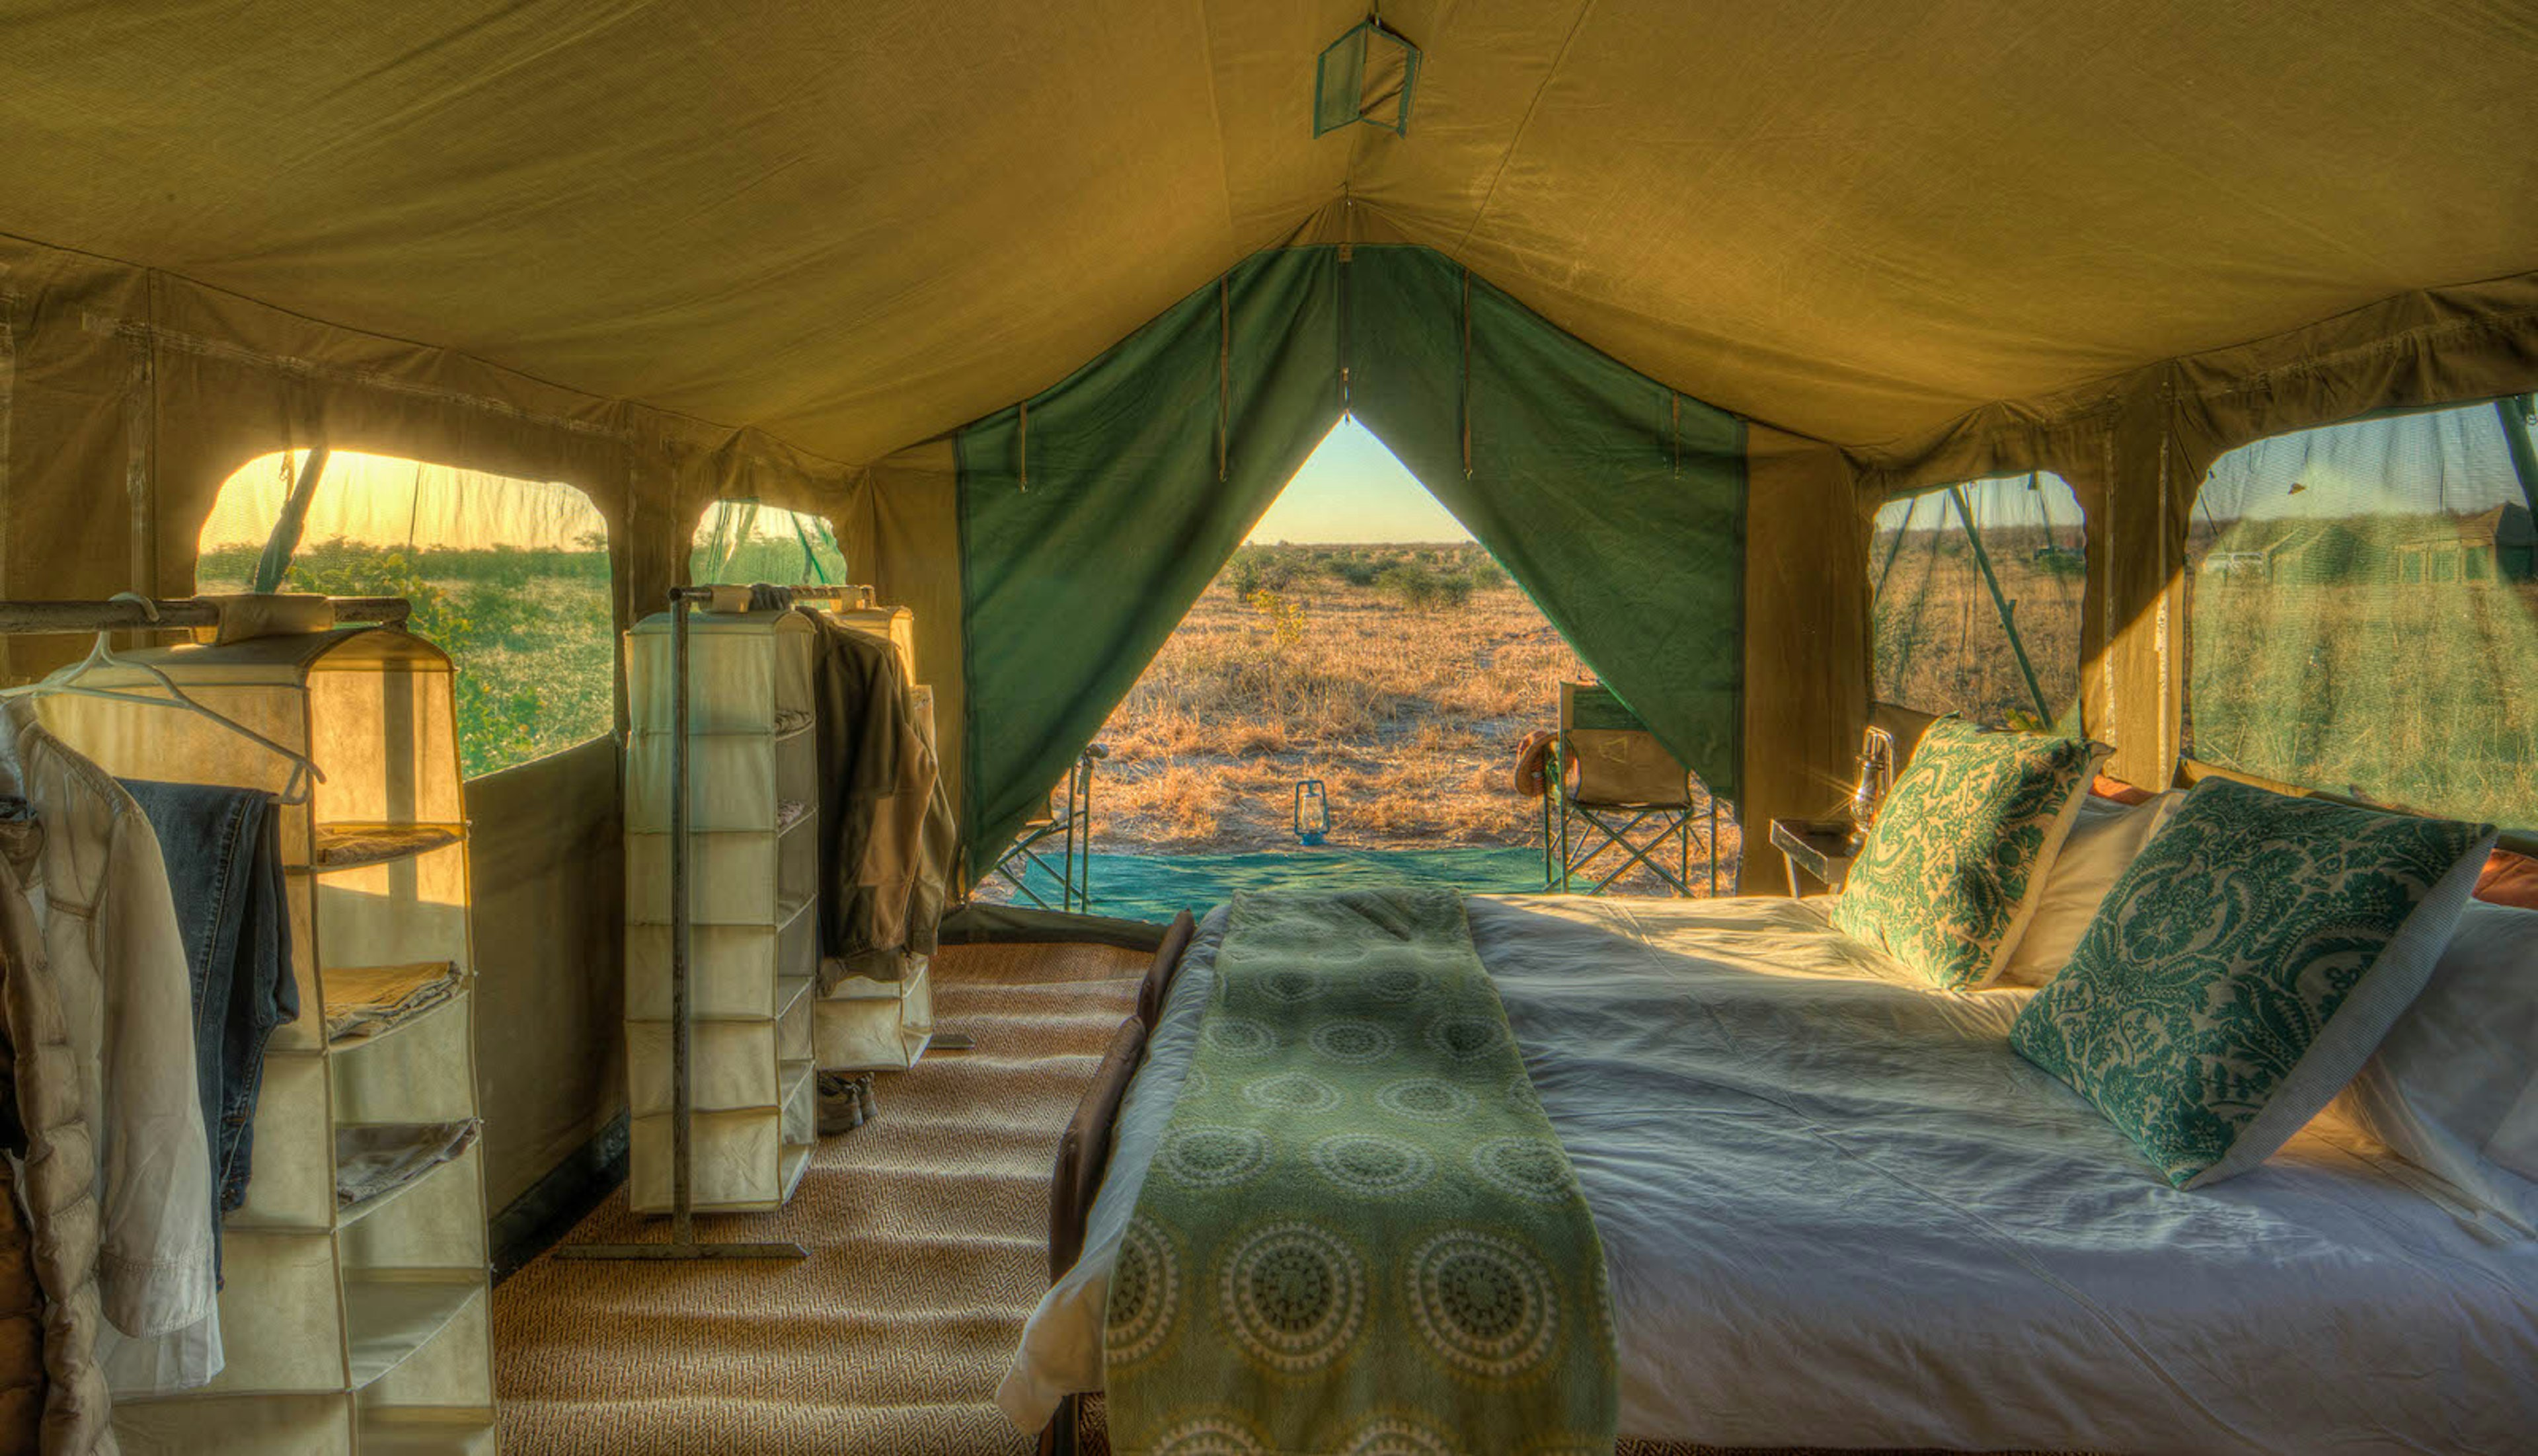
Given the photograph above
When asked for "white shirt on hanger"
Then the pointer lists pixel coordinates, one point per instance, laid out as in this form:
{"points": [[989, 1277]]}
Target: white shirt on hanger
{"points": [[117, 960]]}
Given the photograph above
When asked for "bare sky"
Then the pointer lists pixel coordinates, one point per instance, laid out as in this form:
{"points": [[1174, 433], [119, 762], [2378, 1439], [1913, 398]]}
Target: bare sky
{"points": [[1352, 488]]}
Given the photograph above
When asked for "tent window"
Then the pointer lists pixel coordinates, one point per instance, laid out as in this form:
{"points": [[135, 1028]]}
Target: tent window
{"points": [[1976, 590], [745, 541], [509, 576], [2378, 638]]}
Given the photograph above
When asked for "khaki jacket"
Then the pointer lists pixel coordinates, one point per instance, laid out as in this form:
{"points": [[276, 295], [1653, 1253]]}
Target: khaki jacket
{"points": [[885, 819], [115, 961], [59, 1182]]}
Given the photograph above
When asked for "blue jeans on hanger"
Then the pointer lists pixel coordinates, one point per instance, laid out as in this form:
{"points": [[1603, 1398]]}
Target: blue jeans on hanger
{"points": [[223, 849]]}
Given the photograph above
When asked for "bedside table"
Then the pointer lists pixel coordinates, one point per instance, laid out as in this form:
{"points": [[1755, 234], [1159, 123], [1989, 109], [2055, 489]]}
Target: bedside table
{"points": [[1820, 847]]}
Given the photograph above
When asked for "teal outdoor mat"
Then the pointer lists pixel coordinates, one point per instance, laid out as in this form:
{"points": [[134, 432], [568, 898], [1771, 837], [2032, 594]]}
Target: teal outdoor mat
{"points": [[1157, 886]]}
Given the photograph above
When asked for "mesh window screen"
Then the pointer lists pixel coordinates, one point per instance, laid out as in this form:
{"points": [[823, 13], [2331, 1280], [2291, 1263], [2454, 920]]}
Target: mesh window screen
{"points": [[1976, 600], [509, 576], [743, 541], [2362, 615]]}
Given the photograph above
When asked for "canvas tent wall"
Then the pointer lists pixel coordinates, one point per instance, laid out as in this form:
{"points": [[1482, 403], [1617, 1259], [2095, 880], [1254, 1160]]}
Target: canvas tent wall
{"points": [[798, 254]]}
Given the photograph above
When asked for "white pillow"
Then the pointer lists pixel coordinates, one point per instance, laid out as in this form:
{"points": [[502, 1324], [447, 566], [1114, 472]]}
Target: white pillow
{"points": [[2104, 840], [2453, 1088]]}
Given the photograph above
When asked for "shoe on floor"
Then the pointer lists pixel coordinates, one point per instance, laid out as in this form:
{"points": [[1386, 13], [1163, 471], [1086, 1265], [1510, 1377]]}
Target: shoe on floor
{"points": [[845, 1102]]}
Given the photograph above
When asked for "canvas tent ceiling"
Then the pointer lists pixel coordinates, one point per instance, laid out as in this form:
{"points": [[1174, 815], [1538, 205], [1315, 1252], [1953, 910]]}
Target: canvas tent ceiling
{"points": [[857, 226]]}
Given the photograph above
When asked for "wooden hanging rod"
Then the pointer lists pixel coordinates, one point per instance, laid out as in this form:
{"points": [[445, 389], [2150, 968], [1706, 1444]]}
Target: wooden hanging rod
{"points": [[19, 619], [851, 595]]}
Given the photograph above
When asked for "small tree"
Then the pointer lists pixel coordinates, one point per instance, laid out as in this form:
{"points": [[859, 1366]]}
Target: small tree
{"points": [[1415, 586]]}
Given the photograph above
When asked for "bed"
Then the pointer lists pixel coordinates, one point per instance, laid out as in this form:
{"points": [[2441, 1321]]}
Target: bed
{"points": [[1839, 1211]]}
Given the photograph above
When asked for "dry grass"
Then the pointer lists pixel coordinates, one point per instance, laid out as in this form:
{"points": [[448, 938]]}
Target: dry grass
{"points": [[1409, 716], [1939, 641]]}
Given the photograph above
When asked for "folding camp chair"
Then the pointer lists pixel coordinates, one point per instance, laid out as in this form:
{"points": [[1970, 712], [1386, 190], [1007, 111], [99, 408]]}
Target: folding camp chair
{"points": [[1612, 786], [1068, 822]]}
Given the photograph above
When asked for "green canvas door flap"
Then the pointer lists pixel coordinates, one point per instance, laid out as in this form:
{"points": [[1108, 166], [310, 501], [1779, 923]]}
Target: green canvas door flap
{"points": [[1616, 504], [1072, 576]]}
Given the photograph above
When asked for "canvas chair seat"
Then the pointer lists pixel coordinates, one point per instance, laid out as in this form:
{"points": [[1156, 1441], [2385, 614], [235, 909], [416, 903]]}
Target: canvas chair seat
{"points": [[1616, 789], [1620, 768]]}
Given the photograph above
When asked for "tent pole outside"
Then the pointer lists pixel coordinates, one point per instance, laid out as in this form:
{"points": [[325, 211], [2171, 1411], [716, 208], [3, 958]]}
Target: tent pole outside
{"points": [[2007, 609], [283, 543], [2513, 411], [1892, 552]]}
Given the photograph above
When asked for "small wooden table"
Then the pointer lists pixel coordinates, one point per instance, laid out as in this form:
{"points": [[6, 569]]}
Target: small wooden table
{"points": [[1820, 847]]}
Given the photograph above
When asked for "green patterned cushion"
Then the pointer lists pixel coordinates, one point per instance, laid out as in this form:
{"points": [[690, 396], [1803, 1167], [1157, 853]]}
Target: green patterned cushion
{"points": [[2242, 970], [1955, 862]]}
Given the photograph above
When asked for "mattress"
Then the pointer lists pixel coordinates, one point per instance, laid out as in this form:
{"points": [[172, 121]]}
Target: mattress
{"points": [[1839, 1211]]}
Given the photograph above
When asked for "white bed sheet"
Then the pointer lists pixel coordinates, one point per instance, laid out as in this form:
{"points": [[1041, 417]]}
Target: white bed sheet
{"points": [[1838, 1209]]}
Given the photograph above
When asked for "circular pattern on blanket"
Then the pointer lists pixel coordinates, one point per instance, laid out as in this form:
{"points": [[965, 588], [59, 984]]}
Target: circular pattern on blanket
{"points": [[1465, 1038], [1240, 1038], [1371, 1164], [1519, 1090], [1208, 1156], [1391, 1436], [1425, 1099], [1294, 1296], [1353, 1043], [1145, 1291], [1525, 1167], [1195, 1083], [1209, 1435], [1292, 1091], [1289, 986], [1290, 927], [1393, 984], [1483, 1302]]}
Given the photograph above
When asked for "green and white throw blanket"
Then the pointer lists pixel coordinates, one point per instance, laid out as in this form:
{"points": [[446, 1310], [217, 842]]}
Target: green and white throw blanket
{"points": [[1360, 1234]]}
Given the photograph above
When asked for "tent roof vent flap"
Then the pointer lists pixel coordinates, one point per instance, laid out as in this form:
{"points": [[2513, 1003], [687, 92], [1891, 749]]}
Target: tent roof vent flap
{"points": [[1366, 74]]}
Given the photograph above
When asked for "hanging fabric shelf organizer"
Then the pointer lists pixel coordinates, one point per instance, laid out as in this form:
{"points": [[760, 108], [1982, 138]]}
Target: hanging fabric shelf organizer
{"points": [[360, 1324]]}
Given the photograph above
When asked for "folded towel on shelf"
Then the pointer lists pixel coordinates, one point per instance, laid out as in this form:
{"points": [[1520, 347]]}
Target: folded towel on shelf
{"points": [[348, 846], [364, 999], [373, 1160]]}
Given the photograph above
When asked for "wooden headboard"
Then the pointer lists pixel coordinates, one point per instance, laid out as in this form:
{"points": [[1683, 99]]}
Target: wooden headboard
{"points": [[1084, 1149]]}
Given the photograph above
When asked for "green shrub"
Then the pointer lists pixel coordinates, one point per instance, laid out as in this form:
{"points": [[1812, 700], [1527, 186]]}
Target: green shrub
{"points": [[1416, 587], [1354, 570]]}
